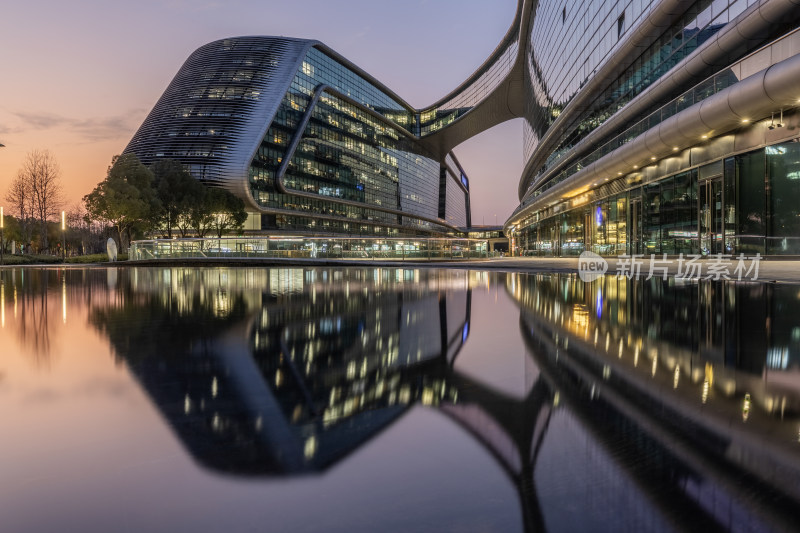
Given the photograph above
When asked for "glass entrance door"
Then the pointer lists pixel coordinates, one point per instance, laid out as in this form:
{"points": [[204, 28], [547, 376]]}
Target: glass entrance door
{"points": [[712, 232]]}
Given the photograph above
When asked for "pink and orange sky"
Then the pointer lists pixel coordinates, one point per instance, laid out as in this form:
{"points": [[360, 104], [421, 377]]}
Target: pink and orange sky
{"points": [[79, 77]]}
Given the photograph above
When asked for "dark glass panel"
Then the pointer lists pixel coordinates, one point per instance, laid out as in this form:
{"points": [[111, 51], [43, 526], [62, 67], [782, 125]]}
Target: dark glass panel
{"points": [[651, 214], [684, 230], [751, 202], [783, 168], [729, 178]]}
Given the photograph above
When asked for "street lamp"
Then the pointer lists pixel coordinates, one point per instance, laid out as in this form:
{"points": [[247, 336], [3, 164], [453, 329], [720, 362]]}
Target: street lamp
{"points": [[63, 235]]}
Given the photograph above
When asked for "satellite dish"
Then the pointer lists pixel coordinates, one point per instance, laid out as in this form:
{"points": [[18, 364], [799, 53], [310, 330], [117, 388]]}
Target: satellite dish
{"points": [[111, 247]]}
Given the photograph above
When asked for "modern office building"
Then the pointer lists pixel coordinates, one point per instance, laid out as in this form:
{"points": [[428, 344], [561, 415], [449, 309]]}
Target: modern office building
{"points": [[661, 127], [668, 126], [309, 141]]}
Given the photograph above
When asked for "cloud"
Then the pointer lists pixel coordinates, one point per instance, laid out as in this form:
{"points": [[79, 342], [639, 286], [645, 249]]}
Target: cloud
{"points": [[7, 130], [96, 129], [41, 121], [90, 129]]}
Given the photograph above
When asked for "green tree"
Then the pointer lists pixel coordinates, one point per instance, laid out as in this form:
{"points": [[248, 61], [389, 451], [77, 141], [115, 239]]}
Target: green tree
{"points": [[217, 210], [201, 215], [125, 199], [228, 211], [12, 232], [177, 192]]}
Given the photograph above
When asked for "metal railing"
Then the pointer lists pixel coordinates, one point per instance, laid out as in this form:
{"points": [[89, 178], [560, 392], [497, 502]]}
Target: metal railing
{"points": [[338, 248]]}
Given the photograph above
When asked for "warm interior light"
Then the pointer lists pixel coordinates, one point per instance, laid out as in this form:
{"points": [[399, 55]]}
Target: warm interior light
{"points": [[705, 136], [745, 120], [652, 158], [674, 148], [635, 166]]}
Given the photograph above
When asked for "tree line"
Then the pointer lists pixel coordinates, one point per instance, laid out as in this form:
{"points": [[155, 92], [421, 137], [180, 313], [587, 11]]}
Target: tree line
{"points": [[137, 200], [133, 201]]}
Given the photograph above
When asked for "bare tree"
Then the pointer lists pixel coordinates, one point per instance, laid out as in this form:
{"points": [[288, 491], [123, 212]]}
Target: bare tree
{"points": [[42, 177], [20, 197]]}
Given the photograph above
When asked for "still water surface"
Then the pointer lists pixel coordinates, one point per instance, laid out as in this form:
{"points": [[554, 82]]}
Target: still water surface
{"points": [[254, 399]]}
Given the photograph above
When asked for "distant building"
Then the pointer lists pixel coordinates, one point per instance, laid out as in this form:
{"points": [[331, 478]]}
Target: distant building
{"points": [[493, 235]]}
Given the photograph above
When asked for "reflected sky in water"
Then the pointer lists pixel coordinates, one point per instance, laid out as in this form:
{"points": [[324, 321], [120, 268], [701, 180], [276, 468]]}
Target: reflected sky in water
{"points": [[166, 399]]}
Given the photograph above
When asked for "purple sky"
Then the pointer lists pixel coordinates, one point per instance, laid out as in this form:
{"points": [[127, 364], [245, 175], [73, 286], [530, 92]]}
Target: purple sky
{"points": [[80, 76]]}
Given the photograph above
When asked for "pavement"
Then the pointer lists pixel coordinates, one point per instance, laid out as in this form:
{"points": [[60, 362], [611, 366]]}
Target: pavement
{"points": [[764, 270], [770, 269]]}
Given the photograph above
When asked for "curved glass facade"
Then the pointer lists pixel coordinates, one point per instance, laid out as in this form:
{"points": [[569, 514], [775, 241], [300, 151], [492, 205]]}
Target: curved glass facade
{"points": [[566, 66], [624, 147], [327, 149]]}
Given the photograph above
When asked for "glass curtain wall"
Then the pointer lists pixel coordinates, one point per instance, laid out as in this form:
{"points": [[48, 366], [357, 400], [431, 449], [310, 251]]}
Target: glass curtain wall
{"points": [[348, 154]]}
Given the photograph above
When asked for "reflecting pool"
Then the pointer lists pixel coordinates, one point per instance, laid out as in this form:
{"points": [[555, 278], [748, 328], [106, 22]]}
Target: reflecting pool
{"points": [[391, 399]]}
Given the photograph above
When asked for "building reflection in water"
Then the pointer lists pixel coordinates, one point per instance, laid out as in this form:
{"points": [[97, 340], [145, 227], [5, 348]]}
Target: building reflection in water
{"points": [[681, 397], [698, 379], [292, 369]]}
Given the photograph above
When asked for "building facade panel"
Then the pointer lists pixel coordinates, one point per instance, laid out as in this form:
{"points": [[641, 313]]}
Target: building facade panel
{"points": [[217, 106], [457, 202]]}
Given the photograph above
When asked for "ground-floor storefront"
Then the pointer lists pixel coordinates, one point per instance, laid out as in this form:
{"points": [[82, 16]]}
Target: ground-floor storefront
{"points": [[746, 203]]}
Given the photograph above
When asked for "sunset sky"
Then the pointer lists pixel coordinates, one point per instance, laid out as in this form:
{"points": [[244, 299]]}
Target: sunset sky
{"points": [[79, 77]]}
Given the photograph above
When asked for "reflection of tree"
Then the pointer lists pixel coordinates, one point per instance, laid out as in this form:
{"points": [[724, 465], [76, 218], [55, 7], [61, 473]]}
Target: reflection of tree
{"points": [[33, 324], [35, 294], [147, 325]]}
